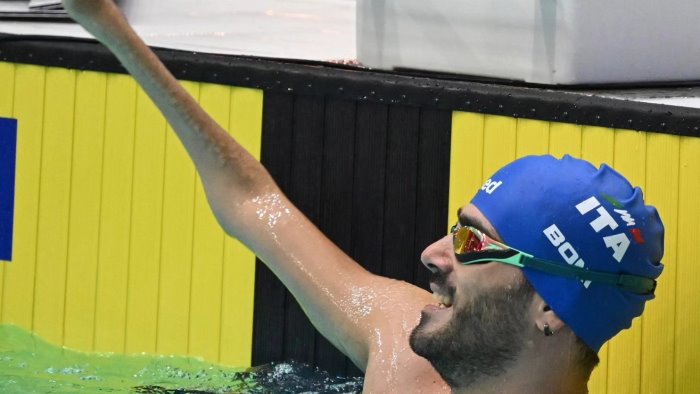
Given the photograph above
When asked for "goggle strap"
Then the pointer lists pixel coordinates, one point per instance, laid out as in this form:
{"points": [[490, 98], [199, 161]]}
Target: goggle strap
{"points": [[512, 260], [632, 283], [508, 256]]}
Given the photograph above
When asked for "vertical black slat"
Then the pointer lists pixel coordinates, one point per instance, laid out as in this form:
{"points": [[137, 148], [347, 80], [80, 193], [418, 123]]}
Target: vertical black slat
{"points": [[305, 192], [433, 183], [400, 195], [336, 202], [368, 190], [268, 316]]}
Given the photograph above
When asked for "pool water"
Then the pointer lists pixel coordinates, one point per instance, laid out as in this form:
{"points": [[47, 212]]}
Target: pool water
{"points": [[31, 365]]}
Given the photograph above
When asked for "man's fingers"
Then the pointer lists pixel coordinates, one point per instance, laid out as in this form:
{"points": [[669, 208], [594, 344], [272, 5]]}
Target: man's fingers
{"points": [[98, 17], [82, 7]]}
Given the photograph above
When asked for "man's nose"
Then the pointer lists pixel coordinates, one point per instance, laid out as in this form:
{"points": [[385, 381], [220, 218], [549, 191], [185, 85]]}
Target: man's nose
{"points": [[438, 257]]}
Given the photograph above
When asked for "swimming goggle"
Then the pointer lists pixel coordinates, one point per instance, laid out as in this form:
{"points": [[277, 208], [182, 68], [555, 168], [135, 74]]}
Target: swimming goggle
{"points": [[471, 246]]}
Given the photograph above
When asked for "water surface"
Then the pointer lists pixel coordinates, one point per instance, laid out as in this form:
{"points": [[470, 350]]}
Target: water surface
{"points": [[30, 365]]}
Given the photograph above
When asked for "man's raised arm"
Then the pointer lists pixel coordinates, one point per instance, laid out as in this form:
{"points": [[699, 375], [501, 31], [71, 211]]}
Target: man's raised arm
{"points": [[245, 200]]}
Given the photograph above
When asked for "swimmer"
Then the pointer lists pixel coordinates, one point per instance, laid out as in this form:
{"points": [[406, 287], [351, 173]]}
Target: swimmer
{"points": [[551, 258]]}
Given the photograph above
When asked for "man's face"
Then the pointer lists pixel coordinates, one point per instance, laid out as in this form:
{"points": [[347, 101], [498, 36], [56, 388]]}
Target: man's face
{"points": [[480, 321]]}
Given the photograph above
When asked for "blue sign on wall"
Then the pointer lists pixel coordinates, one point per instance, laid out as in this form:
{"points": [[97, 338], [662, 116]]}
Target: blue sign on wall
{"points": [[8, 154]]}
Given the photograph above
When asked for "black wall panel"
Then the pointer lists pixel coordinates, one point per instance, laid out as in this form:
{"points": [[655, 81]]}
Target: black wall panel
{"points": [[336, 209], [352, 168], [400, 202], [269, 345], [433, 184]]}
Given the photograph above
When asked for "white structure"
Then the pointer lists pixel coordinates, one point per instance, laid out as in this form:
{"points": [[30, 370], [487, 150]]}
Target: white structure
{"points": [[319, 30], [538, 41]]}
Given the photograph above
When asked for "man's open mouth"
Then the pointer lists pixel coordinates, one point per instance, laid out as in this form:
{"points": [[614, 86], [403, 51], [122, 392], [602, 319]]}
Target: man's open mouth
{"points": [[444, 296], [443, 292], [443, 300]]}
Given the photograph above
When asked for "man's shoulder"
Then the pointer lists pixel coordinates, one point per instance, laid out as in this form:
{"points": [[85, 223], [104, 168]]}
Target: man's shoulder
{"points": [[402, 371], [392, 366], [396, 299]]}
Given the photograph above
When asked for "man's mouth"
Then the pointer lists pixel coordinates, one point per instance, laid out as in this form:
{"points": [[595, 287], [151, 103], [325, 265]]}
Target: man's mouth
{"points": [[443, 296], [443, 293], [444, 301]]}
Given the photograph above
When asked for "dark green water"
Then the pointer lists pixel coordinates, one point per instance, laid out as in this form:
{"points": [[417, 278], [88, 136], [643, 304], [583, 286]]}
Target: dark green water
{"points": [[30, 365]]}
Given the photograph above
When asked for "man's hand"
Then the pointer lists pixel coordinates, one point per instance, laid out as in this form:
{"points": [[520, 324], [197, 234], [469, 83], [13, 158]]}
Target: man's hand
{"points": [[83, 7], [95, 16]]}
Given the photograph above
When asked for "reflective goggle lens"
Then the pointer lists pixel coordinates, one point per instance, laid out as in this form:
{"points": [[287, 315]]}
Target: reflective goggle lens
{"points": [[466, 240]]}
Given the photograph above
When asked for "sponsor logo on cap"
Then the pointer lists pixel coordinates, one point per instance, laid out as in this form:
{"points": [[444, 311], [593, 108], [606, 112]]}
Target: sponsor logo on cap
{"points": [[637, 236], [567, 252], [490, 186], [618, 242], [627, 218]]}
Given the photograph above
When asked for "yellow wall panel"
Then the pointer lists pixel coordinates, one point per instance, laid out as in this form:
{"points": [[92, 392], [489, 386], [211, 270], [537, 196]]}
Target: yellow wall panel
{"points": [[597, 145], [7, 89], [104, 259], [533, 137], [176, 252], [499, 143], [598, 382], [146, 227], [81, 271], [115, 214], [54, 201], [687, 341], [18, 287], [466, 160], [564, 139], [625, 350], [658, 326], [239, 263], [630, 156], [207, 249], [7, 92], [237, 304]]}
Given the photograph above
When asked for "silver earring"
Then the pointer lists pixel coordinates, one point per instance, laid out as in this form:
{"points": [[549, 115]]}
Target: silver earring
{"points": [[548, 331]]}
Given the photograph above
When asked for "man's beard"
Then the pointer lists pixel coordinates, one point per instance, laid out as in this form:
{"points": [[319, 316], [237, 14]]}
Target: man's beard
{"points": [[481, 339]]}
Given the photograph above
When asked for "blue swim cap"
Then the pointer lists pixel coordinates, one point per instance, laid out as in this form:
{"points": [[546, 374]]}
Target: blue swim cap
{"points": [[570, 212]]}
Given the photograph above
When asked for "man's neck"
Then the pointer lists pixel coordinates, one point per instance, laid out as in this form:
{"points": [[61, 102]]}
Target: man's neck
{"points": [[524, 384], [540, 370]]}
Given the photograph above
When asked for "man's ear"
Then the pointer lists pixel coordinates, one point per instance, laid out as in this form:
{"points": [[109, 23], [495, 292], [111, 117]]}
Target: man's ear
{"points": [[544, 315]]}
